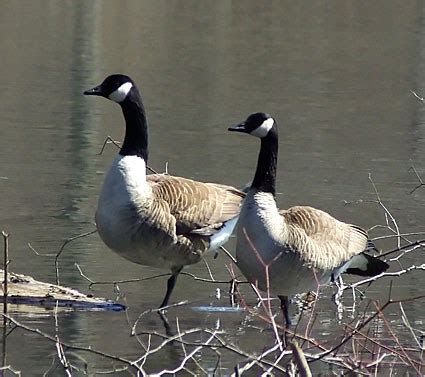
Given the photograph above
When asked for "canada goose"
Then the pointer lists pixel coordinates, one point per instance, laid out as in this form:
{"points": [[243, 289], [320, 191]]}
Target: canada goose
{"points": [[302, 247], [157, 220]]}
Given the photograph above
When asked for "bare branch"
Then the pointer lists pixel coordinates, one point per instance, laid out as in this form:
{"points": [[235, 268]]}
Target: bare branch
{"points": [[110, 140], [77, 348], [421, 183], [228, 254], [63, 247], [376, 277], [416, 95], [300, 360]]}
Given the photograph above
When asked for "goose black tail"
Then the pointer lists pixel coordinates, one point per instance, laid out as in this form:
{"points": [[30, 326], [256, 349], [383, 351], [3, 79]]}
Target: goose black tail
{"points": [[366, 265]]}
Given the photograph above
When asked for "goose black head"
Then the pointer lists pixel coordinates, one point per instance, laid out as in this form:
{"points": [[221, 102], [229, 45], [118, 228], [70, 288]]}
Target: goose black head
{"points": [[257, 124], [115, 87]]}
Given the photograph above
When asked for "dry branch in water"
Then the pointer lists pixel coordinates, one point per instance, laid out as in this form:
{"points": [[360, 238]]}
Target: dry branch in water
{"points": [[5, 269], [421, 183], [362, 340], [417, 96]]}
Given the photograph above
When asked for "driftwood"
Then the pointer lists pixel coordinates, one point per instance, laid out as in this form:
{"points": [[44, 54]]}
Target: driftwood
{"points": [[25, 290]]}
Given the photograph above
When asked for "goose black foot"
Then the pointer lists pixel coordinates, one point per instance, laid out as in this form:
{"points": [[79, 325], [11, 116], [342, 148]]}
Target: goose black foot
{"points": [[171, 282], [167, 327], [284, 305]]}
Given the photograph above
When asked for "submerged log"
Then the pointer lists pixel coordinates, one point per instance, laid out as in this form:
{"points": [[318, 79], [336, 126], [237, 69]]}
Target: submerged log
{"points": [[25, 290]]}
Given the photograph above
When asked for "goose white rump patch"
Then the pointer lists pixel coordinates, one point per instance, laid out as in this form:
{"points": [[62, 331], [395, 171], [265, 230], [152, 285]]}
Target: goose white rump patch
{"points": [[222, 236], [120, 94], [264, 129]]}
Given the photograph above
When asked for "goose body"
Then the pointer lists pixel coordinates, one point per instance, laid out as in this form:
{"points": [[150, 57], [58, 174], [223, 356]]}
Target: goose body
{"points": [[302, 246], [294, 250], [157, 220]]}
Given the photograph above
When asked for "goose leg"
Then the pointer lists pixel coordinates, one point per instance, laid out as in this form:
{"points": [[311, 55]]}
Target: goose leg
{"points": [[284, 305], [168, 330], [171, 282]]}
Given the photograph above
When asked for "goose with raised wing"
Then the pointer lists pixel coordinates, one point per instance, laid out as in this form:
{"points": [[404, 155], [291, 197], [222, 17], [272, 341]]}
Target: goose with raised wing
{"points": [[294, 250], [157, 220]]}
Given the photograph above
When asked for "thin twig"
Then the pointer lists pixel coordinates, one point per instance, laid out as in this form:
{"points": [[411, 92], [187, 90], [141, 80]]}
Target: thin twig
{"points": [[416, 95], [70, 346], [158, 310], [300, 360], [408, 325], [376, 277], [363, 324], [10, 369], [110, 140], [419, 243], [59, 348], [135, 280], [228, 254], [421, 183], [116, 282], [5, 292], [63, 247], [6, 269]]}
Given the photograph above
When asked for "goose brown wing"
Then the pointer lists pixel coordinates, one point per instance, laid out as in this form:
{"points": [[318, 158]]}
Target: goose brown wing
{"points": [[322, 240], [197, 207]]}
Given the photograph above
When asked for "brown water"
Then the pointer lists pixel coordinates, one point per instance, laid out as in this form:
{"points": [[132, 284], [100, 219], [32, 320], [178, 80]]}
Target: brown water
{"points": [[336, 75]]}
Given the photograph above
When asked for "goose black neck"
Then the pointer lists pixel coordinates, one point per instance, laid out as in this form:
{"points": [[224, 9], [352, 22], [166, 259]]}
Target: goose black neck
{"points": [[265, 175], [136, 128]]}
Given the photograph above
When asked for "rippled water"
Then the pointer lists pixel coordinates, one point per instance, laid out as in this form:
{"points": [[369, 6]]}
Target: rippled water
{"points": [[336, 75]]}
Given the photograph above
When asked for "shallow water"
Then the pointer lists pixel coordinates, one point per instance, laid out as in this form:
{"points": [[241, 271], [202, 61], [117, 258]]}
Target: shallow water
{"points": [[336, 76]]}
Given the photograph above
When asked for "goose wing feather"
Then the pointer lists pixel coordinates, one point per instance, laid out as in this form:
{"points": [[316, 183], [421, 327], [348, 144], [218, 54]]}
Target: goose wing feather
{"points": [[320, 239], [196, 207]]}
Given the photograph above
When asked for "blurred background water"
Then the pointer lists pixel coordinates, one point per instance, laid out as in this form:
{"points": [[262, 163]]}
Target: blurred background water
{"points": [[336, 76]]}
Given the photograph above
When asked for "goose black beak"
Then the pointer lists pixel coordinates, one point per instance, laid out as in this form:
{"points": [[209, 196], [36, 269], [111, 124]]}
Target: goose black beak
{"points": [[96, 91], [241, 127]]}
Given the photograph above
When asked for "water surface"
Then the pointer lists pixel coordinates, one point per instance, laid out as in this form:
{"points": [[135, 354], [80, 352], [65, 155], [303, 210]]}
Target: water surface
{"points": [[336, 76]]}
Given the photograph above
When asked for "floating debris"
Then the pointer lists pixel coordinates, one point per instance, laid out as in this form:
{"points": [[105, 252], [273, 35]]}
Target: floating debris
{"points": [[25, 290], [220, 309]]}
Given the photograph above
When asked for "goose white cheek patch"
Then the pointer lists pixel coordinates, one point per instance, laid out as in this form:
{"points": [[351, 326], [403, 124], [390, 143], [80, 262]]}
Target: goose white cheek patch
{"points": [[264, 129], [120, 94]]}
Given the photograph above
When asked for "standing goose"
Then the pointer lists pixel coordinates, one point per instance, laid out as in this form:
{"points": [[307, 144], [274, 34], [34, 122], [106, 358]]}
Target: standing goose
{"points": [[302, 246], [157, 220]]}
